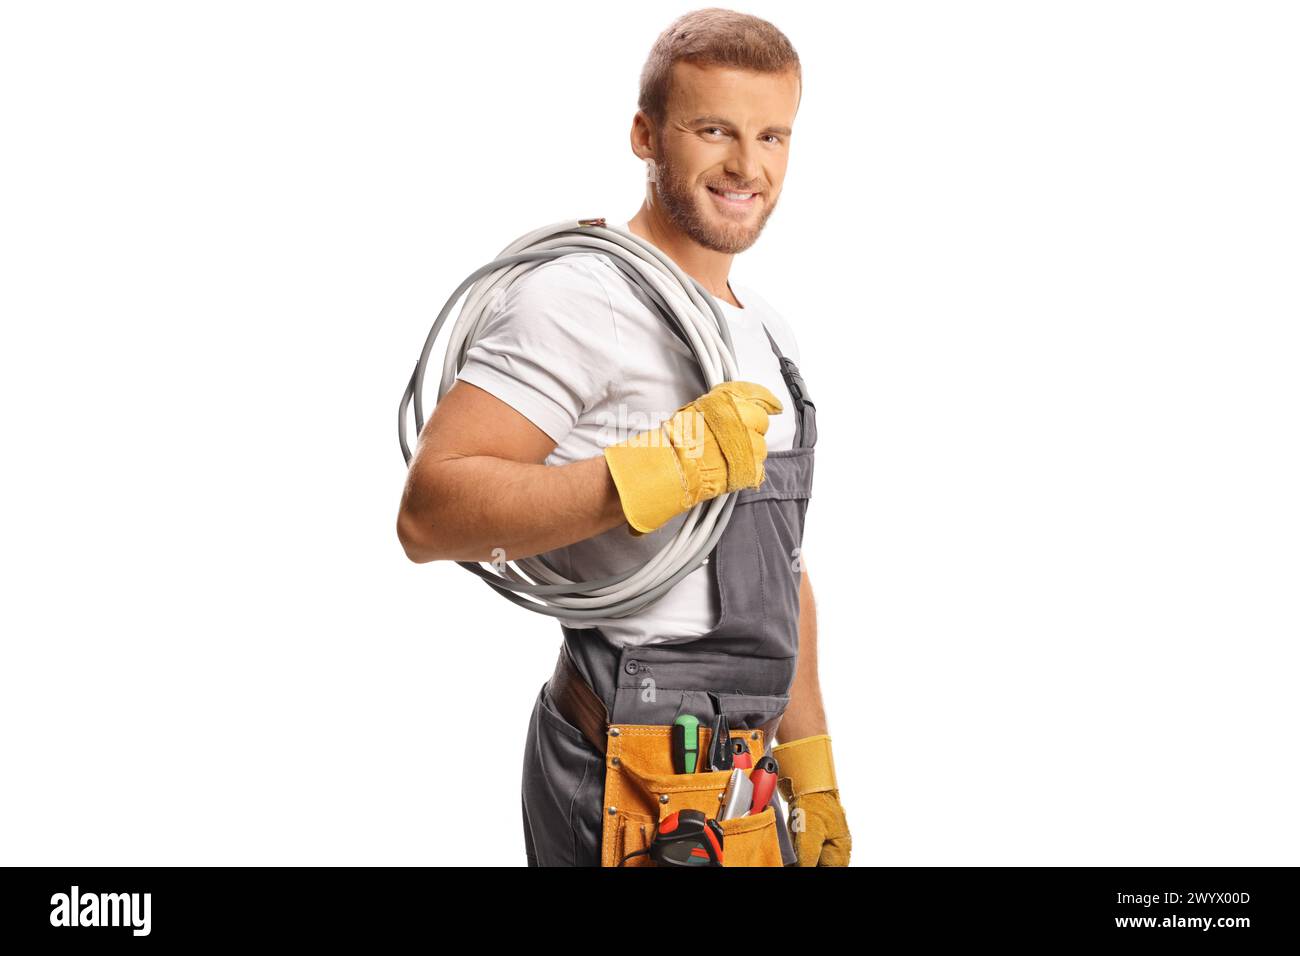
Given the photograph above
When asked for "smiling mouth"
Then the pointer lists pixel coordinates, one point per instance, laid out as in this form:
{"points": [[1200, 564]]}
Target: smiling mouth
{"points": [[738, 200]]}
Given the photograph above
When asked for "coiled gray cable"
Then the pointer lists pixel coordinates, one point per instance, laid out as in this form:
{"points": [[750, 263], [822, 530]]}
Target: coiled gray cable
{"points": [[691, 312]]}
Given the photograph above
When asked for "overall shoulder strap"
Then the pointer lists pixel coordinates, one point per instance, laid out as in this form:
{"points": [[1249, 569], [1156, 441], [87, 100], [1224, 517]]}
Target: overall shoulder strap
{"points": [[805, 434]]}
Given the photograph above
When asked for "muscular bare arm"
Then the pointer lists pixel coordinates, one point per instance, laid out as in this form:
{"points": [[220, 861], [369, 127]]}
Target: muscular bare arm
{"points": [[477, 483], [805, 715]]}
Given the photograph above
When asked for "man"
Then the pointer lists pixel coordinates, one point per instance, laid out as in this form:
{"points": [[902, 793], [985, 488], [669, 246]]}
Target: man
{"points": [[526, 454]]}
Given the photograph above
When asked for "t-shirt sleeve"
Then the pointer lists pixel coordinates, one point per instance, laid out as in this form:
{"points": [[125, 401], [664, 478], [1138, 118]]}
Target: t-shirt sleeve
{"points": [[549, 347]]}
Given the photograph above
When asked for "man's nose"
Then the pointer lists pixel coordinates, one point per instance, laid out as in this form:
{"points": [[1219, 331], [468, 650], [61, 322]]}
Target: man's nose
{"points": [[743, 165]]}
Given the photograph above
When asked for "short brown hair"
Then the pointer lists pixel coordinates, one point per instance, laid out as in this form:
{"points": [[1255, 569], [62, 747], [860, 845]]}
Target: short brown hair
{"points": [[713, 37]]}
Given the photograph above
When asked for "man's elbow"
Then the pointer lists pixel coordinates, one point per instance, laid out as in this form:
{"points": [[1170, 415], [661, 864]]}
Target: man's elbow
{"points": [[417, 539]]}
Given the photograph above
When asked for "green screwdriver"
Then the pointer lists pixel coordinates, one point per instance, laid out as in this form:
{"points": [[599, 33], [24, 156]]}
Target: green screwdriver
{"points": [[686, 743]]}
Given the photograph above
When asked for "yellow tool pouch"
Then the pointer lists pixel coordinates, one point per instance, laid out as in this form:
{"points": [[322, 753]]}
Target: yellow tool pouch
{"points": [[641, 789]]}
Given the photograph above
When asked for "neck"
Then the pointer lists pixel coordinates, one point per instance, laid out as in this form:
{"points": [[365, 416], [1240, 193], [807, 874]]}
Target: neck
{"points": [[706, 266]]}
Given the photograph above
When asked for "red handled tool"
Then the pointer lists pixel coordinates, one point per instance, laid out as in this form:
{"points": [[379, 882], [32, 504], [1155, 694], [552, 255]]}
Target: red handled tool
{"points": [[740, 754], [763, 779]]}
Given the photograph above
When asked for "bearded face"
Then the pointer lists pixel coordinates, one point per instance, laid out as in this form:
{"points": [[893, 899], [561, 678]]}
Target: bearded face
{"points": [[698, 204]]}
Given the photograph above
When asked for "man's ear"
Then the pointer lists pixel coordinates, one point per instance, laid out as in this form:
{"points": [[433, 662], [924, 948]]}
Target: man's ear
{"points": [[640, 137]]}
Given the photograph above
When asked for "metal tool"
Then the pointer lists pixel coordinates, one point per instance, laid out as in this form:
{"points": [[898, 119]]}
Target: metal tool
{"points": [[738, 797], [720, 751]]}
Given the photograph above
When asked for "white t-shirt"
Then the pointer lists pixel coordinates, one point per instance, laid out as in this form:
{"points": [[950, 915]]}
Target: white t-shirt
{"points": [[575, 347]]}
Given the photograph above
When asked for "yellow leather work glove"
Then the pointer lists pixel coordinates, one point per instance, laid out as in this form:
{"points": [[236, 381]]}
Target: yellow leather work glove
{"points": [[711, 445], [806, 776]]}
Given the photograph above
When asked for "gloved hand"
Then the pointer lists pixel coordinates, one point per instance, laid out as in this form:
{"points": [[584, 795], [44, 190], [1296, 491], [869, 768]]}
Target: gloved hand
{"points": [[709, 446], [806, 776]]}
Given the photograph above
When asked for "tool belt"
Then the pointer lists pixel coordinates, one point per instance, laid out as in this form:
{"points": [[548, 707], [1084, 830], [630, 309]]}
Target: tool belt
{"points": [[641, 786]]}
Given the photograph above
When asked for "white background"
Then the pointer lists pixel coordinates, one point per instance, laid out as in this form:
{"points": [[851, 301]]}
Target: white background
{"points": [[1042, 262]]}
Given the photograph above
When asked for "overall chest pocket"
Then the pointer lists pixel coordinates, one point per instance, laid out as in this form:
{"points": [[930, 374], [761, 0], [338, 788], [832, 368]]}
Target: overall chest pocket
{"points": [[641, 789], [757, 564]]}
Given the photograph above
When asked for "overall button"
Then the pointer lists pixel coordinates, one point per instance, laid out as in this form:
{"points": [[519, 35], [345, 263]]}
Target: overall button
{"points": [[631, 667]]}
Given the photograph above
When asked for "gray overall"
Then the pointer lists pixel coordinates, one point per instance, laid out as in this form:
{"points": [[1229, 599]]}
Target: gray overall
{"points": [[744, 667]]}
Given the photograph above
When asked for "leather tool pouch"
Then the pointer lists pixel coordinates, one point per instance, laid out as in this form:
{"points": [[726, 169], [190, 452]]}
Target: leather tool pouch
{"points": [[641, 789]]}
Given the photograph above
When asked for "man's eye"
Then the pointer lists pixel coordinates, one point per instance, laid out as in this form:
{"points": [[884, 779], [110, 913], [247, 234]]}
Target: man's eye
{"points": [[710, 129]]}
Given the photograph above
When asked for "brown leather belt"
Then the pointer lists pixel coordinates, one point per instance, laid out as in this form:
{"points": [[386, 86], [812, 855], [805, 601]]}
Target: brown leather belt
{"points": [[576, 702]]}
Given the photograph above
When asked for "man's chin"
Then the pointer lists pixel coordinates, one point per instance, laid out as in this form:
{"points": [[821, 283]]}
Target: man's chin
{"points": [[712, 230], [730, 238]]}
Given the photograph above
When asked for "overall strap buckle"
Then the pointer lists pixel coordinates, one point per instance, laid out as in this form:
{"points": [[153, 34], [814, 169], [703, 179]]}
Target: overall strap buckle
{"points": [[790, 372], [794, 381]]}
